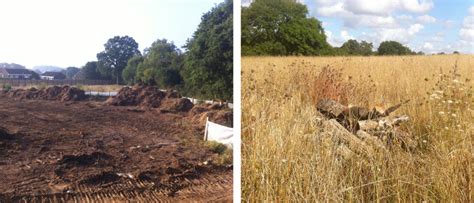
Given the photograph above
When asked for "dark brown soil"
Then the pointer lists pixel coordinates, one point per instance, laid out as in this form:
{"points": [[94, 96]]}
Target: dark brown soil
{"points": [[76, 151], [144, 96]]}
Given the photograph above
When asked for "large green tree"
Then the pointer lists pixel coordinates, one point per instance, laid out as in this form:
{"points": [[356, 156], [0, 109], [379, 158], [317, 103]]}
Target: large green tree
{"points": [[90, 71], [281, 27], [393, 48], [71, 71], [161, 65], [353, 47], [130, 71], [118, 50], [208, 62]]}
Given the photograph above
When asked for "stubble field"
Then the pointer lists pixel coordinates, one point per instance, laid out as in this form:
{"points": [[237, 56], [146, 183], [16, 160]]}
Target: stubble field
{"points": [[288, 155]]}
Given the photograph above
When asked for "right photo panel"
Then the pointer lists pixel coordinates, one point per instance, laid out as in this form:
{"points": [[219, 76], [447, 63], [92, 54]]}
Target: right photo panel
{"points": [[357, 100]]}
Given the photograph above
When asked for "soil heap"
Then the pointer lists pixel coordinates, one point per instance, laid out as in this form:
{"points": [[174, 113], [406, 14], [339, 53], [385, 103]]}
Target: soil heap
{"points": [[216, 113], [64, 93], [151, 97]]}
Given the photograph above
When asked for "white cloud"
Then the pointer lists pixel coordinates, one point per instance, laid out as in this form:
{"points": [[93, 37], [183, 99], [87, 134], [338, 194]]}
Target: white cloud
{"points": [[333, 40], [417, 7], [375, 14], [346, 36], [370, 7], [413, 29], [439, 37], [383, 19], [448, 24], [466, 33], [405, 17], [338, 40], [425, 19], [428, 46], [332, 10], [399, 34], [381, 7], [370, 21]]}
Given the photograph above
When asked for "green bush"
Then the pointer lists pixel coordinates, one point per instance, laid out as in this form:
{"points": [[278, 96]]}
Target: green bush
{"points": [[225, 154], [216, 147], [6, 87]]}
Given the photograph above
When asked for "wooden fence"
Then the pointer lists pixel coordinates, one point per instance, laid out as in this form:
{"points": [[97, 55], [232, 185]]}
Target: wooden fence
{"points": [[20, 82]]}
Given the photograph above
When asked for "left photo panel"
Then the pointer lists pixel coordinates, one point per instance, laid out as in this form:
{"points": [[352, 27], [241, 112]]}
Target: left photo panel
{"points": [[111, 101]]}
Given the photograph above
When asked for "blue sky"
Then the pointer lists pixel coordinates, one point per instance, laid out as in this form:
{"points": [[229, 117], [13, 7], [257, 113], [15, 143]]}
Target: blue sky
{"points": [[70, 33], [430, 26]]}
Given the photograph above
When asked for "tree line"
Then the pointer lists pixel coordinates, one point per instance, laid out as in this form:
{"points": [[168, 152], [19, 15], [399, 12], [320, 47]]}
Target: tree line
{"points": [[203, 70], [282, 28]]}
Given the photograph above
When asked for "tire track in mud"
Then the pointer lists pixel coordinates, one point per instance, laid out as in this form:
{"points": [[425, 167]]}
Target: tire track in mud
{"points": [[207, 187]]}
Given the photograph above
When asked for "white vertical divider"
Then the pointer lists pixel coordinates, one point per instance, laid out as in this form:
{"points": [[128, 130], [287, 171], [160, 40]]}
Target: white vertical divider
{"points": [[237, 99]]}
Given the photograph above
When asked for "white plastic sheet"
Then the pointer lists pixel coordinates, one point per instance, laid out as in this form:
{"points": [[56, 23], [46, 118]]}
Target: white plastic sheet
{"points": [[219, 133]]}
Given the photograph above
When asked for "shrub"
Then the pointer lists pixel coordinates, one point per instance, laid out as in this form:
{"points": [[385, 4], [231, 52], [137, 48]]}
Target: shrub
{"points": [[216, 147], [225, 154], [6, 87], [329, 84]]}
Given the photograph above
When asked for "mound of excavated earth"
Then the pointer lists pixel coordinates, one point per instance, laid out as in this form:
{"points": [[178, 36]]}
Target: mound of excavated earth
{"points": [[62, 94], [146, 96], [215, 113], [151, 97]]}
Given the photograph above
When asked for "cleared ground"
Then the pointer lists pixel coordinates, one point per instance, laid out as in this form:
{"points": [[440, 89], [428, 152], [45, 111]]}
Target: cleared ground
{"points": [[68, 151]]}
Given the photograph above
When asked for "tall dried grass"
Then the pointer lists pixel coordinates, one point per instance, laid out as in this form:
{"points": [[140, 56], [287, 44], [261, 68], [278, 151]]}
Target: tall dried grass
{"points": [[283, 159]]}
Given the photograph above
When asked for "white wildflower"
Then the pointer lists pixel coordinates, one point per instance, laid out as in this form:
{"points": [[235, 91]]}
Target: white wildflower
{"points": [[424, 141], [456, 81], [441, 113], [450, 101], [453, 115]]}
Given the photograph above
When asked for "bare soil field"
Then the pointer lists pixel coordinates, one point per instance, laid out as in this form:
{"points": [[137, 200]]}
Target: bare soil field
{"points": [[90, 150]]}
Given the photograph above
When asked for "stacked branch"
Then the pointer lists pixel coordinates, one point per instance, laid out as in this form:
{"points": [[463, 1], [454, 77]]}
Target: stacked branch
{"points": [[369, 126]]}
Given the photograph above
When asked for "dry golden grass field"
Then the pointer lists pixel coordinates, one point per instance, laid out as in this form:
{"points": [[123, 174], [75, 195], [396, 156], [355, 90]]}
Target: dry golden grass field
{"points": [[288, 156]]}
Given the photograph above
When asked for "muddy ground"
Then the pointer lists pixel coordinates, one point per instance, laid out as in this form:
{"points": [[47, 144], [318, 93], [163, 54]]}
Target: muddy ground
{"points": [[87, 150]]}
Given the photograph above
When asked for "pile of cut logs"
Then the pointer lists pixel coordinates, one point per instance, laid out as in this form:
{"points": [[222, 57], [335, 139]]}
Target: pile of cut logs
{"points": [[367, 124]]}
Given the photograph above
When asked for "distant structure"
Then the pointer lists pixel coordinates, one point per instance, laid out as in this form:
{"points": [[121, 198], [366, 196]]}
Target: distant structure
{"points": [[53, 76], [15, 73]]}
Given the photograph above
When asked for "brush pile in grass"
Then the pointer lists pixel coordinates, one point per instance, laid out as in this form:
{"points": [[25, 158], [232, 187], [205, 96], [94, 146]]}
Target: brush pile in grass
{"points": [[358, 124], [294, 153]]}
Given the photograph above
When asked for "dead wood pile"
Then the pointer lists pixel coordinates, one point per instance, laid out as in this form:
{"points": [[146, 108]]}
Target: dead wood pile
{"points": [[363, 129]]}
